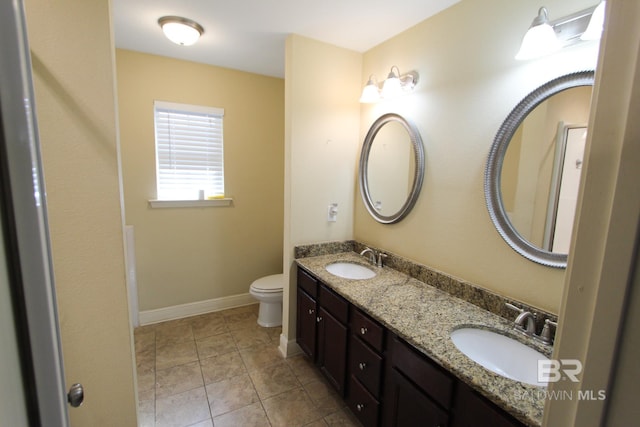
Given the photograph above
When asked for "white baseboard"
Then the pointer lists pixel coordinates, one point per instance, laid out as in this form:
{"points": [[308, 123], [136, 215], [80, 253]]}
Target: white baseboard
{"points": [[288, 347], [148, 317]]}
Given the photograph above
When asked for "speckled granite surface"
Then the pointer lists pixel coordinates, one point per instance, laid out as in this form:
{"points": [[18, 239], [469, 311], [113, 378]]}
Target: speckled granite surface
{"points": [[425, 316]]}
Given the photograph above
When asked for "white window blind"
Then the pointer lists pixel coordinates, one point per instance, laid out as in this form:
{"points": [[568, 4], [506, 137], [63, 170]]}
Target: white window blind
{"points": [[189, 151]]}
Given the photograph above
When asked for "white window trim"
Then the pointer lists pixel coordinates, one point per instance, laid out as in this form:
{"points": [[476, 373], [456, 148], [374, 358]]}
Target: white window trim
{"points": [[227, 201], [224, 201]]}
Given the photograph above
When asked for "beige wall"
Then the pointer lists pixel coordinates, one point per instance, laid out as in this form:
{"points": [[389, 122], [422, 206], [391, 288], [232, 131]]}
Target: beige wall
{"points": [[321, 134], [187, 255], [73, 71], [469, 82]]}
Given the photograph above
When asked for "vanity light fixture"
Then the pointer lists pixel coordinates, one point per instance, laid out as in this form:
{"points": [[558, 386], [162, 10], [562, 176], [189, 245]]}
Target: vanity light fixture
{"points": [[594, 29], [182, 31], [545, 37], [395, 84]]}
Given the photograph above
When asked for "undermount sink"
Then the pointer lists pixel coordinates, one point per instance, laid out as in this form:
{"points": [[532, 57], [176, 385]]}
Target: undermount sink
{"points": [[349, 270], [500, 354]]}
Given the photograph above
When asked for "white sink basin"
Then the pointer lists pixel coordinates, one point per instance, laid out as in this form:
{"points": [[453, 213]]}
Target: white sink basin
{"points": [[349, 270], [500, 354]]}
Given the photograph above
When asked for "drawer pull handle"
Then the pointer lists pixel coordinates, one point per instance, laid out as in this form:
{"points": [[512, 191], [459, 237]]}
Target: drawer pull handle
{"points": [[362, 365], [319, 319], [360, 407], [363, 330], [311, 311]]}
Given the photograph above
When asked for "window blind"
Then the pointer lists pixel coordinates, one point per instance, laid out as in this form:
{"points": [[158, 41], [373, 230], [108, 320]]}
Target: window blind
{"points": [[189, 151]]}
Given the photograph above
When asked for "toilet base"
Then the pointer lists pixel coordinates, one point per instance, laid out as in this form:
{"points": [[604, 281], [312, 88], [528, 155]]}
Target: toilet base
{"points": [[270, 314]]}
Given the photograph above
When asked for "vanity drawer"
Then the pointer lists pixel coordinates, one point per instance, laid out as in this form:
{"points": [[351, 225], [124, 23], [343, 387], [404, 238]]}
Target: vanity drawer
{"points": [[428, 376], [308, 283], [334, 304], [364, 406], [365, 365], [367, 329]]}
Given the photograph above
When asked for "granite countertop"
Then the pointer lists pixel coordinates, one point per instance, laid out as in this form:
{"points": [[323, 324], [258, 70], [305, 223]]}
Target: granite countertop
{"points": [[425, 316]]}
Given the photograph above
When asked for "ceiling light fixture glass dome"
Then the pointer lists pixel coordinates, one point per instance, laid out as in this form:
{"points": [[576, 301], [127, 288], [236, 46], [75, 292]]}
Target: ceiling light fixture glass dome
{"points": [[182, 31]]}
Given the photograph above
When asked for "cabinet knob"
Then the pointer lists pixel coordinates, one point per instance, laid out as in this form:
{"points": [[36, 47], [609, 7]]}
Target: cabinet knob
{"points": [[363, 330], [362, 365], [360, 407], [319, 319], [311, 311]]}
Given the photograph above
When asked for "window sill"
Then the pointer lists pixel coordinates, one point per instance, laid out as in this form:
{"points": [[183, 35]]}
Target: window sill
{"points": [[190, 203]]}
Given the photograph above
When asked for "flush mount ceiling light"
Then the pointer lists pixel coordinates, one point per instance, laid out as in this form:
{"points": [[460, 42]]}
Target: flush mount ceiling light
{"points": [[545, 37], [182, 31], [396, 84]]}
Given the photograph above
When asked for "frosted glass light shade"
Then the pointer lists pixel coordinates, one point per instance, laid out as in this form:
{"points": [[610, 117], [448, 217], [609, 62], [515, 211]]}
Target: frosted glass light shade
{"points": [[392, 87], [182, 31], [370, 93], [538, 41], [594, 29]]}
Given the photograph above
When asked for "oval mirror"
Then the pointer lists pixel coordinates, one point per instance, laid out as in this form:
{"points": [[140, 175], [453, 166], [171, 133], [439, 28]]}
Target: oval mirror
{"points": [[533, 171], [391, 168]]}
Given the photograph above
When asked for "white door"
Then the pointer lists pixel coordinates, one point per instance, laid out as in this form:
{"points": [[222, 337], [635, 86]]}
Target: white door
{"points": [[33, 389]]}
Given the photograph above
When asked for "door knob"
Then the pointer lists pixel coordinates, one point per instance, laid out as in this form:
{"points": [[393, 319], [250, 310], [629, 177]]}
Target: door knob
{"points": [[75, 397]]}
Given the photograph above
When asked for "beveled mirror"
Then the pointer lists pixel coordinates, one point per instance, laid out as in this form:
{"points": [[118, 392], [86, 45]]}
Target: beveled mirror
{"points": [[391, 168], [533, 170]]}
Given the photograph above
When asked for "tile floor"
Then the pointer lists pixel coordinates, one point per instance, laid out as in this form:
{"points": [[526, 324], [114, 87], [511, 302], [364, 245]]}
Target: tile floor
{"points": [[222, 369]]}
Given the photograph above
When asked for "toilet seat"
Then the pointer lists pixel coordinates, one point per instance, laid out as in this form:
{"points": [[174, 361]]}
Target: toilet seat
{"points": [[268, 284]]}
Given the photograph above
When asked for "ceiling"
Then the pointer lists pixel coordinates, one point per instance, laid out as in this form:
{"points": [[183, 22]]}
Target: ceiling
{"points": [[249, 35]]}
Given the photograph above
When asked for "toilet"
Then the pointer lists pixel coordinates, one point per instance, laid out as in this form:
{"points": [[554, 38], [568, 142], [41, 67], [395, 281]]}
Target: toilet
{"points": [[268, 290]]}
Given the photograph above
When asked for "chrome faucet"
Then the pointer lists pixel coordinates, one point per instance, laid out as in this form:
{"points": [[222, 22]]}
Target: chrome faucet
{"points": [[526, 323], [529, 318], [371, 253]]}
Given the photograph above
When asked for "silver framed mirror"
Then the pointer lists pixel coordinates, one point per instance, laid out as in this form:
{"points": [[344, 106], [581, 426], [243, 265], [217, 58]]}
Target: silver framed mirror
{"points": [[391, 168], [516, 237]]}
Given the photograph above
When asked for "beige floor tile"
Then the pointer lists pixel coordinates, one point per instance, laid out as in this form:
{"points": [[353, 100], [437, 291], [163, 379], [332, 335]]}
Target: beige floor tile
{"points": [[208, 325], [231, 394], [249, 416], [177, 379], [146, 359], [207, 423], [221, 367], [179, 333], [183, 409], [260, 356], [304, 369], [292, 408], [317, 423], [175, 354], [215, 345], [241, 320], [325, 398], [146, 380], [251, 336], [272, 380], [147, 413], [144, 339], [342, 418], [274, 334]]}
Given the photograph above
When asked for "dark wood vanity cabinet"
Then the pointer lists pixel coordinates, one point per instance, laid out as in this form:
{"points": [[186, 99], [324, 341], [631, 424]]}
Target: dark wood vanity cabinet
{"points": [[322, 328], [366, 368], [418, 392], [384, 380]]}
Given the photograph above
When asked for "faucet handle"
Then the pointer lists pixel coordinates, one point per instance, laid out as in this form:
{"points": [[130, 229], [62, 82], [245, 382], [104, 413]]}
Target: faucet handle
{"points": [[513, 307], [381, 256], [546, 336]]}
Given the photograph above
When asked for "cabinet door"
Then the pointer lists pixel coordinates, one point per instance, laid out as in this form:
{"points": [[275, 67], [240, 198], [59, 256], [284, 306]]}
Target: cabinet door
{"points": [[408, 406], [472, 410], [306, 324], [332, 349]]}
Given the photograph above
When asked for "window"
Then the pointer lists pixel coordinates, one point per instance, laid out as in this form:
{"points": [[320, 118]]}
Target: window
{"points": [[189, 151]]}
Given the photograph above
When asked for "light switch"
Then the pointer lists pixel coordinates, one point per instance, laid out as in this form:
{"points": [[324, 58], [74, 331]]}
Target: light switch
{"points": [[332, 212]]}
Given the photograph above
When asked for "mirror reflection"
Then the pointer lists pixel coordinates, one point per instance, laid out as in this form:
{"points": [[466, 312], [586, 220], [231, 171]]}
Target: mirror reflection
{"points": [[541, 171], [391, 168]]}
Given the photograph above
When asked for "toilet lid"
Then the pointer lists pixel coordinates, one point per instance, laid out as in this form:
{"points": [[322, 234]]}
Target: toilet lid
{"points": [[271, 283]]}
